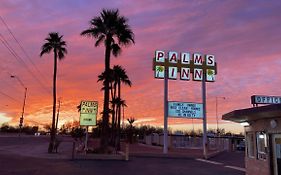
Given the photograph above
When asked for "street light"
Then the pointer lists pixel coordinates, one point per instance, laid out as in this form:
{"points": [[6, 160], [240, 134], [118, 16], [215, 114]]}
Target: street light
{"points": [[25, 91], [217, 112]]}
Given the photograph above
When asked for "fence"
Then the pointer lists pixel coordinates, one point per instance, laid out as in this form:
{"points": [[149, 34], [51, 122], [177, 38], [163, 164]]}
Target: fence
{"points": [[192, 142]]}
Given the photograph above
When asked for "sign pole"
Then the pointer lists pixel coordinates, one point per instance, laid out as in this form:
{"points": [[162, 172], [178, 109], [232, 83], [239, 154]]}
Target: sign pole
{"points": [[204, 117], [165, 148], [86, 140]]}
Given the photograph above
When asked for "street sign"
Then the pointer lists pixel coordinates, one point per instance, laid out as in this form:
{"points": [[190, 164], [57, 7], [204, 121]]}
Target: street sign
{"points": [[185, 110], [88, 113]]}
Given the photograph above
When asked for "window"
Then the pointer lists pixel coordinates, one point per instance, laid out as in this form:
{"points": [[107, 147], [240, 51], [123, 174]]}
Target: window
{"points": [[261, 145], [250, 145]]}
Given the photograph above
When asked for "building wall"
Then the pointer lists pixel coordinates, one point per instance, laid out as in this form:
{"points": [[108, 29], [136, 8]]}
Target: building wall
{"points": [[264, 125], [254, 165]]}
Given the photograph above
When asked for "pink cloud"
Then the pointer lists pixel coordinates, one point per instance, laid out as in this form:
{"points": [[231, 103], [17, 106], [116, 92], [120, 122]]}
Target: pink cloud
{"points": [[244, 38]]}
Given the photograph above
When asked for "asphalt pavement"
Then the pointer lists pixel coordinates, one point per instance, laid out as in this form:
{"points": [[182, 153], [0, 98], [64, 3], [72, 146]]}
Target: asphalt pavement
{"points": [[28, 156]]}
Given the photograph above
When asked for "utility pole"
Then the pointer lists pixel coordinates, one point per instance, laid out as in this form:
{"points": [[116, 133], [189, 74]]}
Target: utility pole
{"points": [[217, 117], [23, 107]]}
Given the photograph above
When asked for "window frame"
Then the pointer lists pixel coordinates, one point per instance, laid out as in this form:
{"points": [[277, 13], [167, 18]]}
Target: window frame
{"points": [[261, 154], [250, 146]]}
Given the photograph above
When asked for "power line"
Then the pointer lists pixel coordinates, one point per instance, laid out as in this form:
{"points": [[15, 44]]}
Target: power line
{"points": [[22, 49], [20, 60], [6, 95]]}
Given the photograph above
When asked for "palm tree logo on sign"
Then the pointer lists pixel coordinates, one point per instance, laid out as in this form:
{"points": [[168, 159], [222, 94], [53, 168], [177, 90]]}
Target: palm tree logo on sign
{"points": [[210, 76], [159, 73]]}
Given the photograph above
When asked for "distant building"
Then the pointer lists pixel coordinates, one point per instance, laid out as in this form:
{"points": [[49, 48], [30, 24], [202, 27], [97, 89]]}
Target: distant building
{"points": [[263, 138]]}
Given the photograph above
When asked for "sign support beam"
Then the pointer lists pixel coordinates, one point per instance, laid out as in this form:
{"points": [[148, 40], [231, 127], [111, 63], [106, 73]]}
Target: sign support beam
{"points": [[165, 147], [205, 141], [86, 140]]}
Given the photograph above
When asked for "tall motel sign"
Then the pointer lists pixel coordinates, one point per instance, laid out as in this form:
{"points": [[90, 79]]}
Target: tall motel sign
{"points": [[196, 67]]}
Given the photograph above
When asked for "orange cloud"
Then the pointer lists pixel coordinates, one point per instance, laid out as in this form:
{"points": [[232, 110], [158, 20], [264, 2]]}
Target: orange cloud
{"points": [[245, 40]]}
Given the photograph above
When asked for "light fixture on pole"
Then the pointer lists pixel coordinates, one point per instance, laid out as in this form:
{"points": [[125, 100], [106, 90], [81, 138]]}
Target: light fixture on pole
{"points": [[23, 107], [217, 118]]}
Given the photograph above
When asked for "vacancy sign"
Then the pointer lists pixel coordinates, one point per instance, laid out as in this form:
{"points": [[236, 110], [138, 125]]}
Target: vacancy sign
{"points": [[185, 110], [88, 113], [189, 66]]}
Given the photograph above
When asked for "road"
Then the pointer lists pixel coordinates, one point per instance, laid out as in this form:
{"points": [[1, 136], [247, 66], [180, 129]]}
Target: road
{"points": [[12, 163]]}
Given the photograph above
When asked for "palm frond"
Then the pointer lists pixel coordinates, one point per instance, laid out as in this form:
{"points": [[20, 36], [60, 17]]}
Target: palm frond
{"points": [[116, 50], [99, 40], [46, 48], [54, 42]]}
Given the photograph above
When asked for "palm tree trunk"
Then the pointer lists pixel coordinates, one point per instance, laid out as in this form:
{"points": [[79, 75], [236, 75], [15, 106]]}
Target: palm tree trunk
{"points": [[119, 117], [105, 117], [57, 120], [53, 133], [113, 97]]}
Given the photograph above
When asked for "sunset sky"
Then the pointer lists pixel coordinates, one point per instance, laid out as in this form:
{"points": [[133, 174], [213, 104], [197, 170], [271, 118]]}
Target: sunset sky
{"points": [[243, 35]]}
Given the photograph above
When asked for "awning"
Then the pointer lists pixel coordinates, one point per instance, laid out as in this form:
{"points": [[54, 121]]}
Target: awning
{"points": [[255, 113]]}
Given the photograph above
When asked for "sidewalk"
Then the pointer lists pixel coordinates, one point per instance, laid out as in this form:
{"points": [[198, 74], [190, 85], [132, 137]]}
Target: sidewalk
{"points": [[142, 150]]}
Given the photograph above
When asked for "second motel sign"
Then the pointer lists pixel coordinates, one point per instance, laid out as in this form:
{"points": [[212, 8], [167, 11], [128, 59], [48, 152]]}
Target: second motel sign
{"points": [[189, 66]]}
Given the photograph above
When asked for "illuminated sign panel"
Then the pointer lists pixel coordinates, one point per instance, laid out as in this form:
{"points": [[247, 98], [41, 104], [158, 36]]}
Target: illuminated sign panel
{"points": [[185, 110], [185, 58], [159, 72], [196, 68], [185, 74], [88, 113], [261, 99]]}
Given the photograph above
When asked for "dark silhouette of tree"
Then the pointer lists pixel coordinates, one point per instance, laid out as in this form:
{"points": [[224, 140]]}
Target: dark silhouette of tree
{"points": [[122, 103], [131, 121], [113, 30], [79, 107], [54, 43], [120, 77]]}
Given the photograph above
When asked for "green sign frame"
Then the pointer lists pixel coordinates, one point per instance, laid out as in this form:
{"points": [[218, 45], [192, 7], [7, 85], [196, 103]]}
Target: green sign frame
{"points": [[88, 113]]}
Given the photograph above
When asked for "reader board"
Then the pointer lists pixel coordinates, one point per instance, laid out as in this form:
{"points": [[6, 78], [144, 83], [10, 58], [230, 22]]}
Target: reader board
{"points": [[88, 113], [185, 109]]}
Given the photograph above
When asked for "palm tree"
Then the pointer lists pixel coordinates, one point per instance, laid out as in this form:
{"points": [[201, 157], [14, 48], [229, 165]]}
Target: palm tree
{"points": [[123, 104], [113, 30], [131, 120], [120, 76], [113, 101], [54, 43]]}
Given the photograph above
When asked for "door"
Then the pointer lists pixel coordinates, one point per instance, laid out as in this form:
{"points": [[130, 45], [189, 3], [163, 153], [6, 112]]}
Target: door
{"points": [[276, 148]]}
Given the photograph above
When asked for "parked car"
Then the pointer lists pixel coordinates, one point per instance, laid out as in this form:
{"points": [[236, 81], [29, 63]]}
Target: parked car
{"points": [[37, 134], [241, 146]]}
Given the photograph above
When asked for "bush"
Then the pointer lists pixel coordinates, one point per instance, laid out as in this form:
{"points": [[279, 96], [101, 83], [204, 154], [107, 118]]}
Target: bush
{"points": [[78, 133]]}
